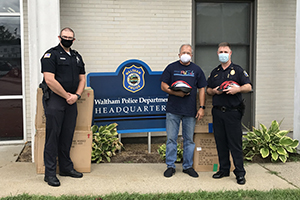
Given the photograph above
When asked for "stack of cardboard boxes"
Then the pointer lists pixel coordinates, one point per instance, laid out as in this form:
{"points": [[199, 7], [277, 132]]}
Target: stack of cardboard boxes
{"points": [[82, 141], [205, 153]]}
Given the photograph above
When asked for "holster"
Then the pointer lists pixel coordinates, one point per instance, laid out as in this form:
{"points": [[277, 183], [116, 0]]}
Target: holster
{"points": [[241, 107], [46, 90]]}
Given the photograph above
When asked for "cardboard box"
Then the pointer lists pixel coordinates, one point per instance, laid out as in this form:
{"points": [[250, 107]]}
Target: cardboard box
{"points": [[80, 153], [205, 124], [84, 106], [205, 154]]}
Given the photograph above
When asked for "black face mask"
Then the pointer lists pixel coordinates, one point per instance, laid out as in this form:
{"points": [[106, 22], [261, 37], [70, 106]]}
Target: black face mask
{"points": [[66, 43]]}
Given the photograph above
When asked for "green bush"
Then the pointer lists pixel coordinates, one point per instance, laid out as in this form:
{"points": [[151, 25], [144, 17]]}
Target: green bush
{"points": [[272, 141], [162, 152], [105, 142]]}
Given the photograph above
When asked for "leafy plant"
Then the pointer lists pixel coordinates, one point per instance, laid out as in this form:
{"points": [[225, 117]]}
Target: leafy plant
{"points": [[105, 142], [272, 141], [162, 152]]}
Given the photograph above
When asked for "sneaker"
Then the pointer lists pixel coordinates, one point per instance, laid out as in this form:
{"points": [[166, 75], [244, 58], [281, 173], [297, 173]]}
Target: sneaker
{"points": [[191, 172], [169, 172]]}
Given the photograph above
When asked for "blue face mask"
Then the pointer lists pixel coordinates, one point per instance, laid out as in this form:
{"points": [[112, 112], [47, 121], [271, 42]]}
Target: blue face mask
{"points": [[223, 57]]}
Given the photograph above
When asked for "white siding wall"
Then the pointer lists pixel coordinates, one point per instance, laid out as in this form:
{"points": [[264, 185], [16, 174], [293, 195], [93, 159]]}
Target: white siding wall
{"points": [[275, 62], [111, 32]]}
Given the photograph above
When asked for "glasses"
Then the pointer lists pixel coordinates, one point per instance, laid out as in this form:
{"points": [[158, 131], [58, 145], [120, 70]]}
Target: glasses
{"points": [[67, 38]]}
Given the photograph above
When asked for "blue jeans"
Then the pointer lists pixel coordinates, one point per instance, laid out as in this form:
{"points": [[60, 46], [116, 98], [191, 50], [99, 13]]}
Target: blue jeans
{"points": [[172, 128]]}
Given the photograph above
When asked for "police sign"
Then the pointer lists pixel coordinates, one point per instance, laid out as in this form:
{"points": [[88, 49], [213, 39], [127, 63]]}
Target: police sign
{"points": [[131, 97]]}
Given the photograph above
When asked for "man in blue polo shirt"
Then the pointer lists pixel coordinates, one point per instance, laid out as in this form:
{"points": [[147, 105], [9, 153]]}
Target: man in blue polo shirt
{"points": [[182, 107]]}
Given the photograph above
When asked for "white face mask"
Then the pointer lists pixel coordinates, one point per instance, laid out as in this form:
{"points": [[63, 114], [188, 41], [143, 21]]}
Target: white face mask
{"points": [[185, 58]]}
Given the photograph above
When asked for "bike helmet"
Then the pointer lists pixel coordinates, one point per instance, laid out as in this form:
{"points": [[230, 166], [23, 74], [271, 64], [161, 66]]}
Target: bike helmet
{"points": [[227, 85], [181, 86]]}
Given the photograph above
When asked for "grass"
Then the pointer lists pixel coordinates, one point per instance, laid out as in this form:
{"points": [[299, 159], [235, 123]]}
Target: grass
{"points": [[287, 194]]}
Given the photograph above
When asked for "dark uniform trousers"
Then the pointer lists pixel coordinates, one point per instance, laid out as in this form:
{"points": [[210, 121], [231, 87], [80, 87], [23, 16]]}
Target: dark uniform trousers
{"points": [[228, 135], [60, 126]]}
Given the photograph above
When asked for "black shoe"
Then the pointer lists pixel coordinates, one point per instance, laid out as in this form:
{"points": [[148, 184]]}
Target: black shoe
{"points": [[169, 172], [73, 173], [240, 180], [220, 174], [52, 181], [191, 172]]}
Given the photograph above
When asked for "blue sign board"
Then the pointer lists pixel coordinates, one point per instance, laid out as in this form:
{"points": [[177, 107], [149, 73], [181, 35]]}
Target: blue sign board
{"points": [[131, 97]]}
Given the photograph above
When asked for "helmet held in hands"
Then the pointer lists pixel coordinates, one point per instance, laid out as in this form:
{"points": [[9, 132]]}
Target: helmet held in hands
{"points": [[181, 86]]}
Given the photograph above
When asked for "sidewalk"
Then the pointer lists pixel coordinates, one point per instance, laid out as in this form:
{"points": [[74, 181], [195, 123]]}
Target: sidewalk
{"points": [[20, 177]]}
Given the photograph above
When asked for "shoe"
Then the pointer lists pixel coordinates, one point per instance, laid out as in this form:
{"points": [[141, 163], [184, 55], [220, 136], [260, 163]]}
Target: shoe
{"points": [[191, 172], [52, 181], [220, 174], [240, 180], [73, 173], [169, 172]]}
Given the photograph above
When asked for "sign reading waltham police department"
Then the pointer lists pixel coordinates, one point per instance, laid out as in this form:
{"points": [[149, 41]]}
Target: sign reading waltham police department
{"points": [[131, 97]]}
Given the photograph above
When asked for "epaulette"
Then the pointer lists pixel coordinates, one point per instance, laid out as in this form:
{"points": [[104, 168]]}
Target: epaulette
{"points": [[76, 52], [54, 48]]}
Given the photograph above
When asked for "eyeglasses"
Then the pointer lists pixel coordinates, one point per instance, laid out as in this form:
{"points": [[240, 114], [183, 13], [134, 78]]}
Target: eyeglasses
{"points": [[67, 38]]}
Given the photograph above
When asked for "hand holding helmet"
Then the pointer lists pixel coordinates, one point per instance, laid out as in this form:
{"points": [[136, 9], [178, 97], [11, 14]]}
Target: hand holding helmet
{"points": [[230, 87], [181, 86]]}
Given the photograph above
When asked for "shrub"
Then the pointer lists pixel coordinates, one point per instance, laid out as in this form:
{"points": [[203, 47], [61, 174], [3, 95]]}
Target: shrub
{"points": [[272, 141], [162, 152], [105, 142]]}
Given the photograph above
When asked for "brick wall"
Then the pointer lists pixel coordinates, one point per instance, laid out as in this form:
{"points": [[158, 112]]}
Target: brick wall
{"points": [[111, 32], [275, 62]]}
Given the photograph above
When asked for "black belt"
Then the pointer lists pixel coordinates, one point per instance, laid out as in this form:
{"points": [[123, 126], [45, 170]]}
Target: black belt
{"points": [[225, 109]]}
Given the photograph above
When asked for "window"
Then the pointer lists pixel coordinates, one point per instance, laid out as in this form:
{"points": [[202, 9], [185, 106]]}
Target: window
{"points": [[226, 21], [11, 98]]}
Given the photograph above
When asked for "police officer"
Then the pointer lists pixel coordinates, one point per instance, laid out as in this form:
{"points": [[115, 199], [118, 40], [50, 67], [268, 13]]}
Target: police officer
{"points": [[228, 108], [63, 84]]}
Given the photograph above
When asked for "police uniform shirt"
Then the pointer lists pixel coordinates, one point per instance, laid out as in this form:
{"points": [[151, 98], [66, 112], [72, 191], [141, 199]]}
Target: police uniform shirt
{"points": [[218, 76], [66, 67], [194, 76]]}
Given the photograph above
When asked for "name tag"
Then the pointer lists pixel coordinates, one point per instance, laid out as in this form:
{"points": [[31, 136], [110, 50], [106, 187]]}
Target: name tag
{"points": [[62, 58]]}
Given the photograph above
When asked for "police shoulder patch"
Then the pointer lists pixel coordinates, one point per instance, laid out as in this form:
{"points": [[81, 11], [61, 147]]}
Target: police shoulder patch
{"points": [[47, 55], [245, 73]]}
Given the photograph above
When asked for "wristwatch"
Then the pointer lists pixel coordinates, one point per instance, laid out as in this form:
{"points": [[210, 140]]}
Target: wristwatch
{"points": [[78, 96], [203, 107]]}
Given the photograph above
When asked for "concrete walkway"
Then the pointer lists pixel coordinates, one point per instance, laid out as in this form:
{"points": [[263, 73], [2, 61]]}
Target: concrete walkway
{"points": [[20, 177]]}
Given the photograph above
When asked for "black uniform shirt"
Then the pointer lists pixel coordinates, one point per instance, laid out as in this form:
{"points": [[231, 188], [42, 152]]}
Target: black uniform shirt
{"points": [[218, 76], [66, 68]]}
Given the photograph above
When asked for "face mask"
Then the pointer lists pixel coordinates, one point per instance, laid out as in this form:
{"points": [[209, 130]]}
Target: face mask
{"points": [[223, 57], [66, 43], [185, 58]]}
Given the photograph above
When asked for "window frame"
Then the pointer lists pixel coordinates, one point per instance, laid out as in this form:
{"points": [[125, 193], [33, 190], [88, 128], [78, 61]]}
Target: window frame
{"points": [[21, 97]]}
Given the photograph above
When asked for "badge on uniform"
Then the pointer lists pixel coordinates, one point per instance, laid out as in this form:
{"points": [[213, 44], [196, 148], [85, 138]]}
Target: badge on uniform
{"points": [[245, 73], [47, 55], [232, 72]]}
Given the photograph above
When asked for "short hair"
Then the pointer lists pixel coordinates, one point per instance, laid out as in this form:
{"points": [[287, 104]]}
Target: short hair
{"points": [[67, 29], [185, 45], [225, 44]]}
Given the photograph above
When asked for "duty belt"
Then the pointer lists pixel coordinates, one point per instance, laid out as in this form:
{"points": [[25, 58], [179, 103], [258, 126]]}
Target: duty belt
{"points": [[225, 109]]}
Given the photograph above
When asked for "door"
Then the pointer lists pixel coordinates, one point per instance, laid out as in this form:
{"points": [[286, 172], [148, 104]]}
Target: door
{"points": [[226, 21]]}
